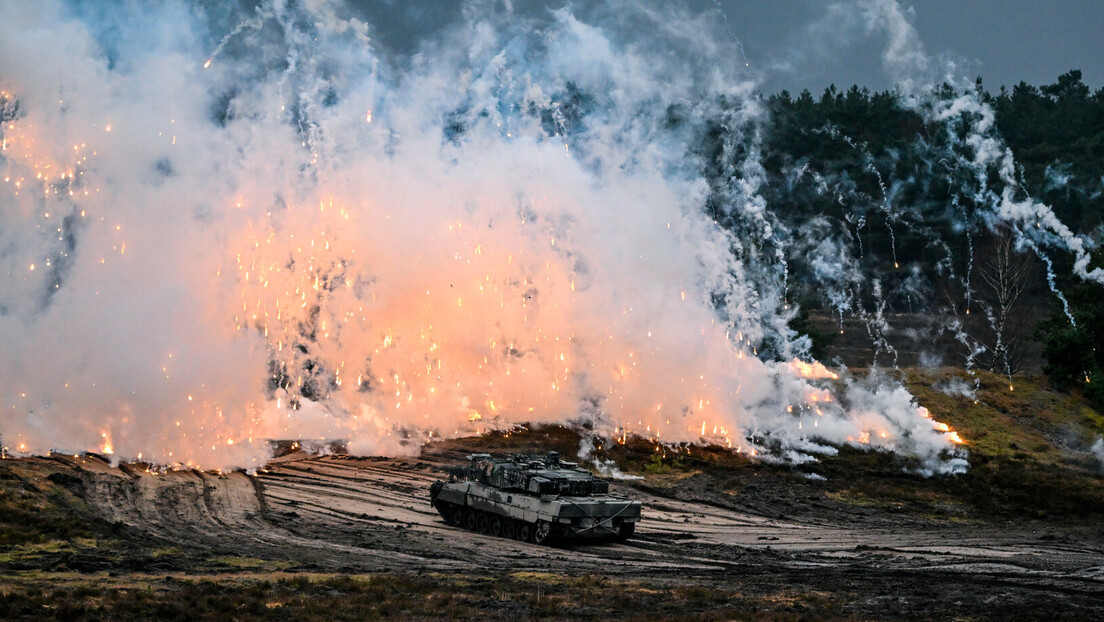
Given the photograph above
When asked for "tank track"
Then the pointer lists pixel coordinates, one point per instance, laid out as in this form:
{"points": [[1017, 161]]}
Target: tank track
{"points": [[487, 523]]}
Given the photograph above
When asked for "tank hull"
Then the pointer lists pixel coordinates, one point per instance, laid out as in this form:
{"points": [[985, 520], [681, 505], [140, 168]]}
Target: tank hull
{"points": [[521, 515]]}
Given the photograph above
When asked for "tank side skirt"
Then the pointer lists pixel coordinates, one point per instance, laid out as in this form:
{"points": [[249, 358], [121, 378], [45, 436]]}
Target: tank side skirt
{"points": [[453, 493]]}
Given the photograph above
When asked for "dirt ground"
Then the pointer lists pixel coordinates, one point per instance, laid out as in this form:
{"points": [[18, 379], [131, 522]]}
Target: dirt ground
{"points": [[348, 515]]}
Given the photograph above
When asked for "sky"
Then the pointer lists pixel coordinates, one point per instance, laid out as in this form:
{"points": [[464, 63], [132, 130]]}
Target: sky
{"points": [[797, 44], [1004, 41]]}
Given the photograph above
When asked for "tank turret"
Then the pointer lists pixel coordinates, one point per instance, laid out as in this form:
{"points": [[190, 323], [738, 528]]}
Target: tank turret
{"points": [[540, 475]]}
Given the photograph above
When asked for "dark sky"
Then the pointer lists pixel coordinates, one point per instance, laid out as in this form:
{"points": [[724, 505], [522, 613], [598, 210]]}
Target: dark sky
{"points": [[1004, 41]]}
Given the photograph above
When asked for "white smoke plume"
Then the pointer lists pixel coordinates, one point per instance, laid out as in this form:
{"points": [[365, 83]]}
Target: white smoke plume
{"points": [[987, 193], [220, 228], [605, 468], [1036, 224], [957, 387], [1097, 450]]}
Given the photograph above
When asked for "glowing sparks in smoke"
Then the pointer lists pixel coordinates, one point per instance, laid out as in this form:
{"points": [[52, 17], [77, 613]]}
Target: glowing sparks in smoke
{"points": [[319, 221], [815, 370]]}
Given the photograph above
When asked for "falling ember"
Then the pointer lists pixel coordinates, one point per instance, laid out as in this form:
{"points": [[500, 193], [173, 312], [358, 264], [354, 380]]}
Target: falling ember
{"points": [[208, 64]]}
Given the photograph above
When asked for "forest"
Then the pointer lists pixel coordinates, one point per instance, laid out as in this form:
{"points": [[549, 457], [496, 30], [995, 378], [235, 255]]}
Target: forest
{"points": [[899, 186]]}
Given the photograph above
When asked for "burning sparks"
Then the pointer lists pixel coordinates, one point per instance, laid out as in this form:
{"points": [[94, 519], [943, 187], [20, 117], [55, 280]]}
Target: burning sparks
{"points": [[262, 261], [814, 370]]}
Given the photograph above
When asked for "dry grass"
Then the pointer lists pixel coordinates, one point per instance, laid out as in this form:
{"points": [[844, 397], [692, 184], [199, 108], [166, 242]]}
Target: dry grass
{"points": [[1028, 450], [1031, 419], [501, 596], [36, 509]]}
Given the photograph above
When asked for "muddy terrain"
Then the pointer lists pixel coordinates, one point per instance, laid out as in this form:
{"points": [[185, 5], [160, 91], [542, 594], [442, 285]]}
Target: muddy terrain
{"points": [[781, 547], [859, 535]]}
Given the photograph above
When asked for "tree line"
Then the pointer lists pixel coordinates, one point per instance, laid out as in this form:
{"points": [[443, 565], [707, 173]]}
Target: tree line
{"points": [[901, 189]]}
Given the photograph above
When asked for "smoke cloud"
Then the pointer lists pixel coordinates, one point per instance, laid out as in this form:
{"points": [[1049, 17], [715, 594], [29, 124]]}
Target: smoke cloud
{"points": [[222, 226]]}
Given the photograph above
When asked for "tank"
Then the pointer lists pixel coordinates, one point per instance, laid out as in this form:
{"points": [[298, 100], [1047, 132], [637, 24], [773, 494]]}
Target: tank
{"points": [[533, 498]]}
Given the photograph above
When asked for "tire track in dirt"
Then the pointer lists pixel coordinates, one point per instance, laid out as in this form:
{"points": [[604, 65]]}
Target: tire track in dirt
{"points": [[371, 514]]}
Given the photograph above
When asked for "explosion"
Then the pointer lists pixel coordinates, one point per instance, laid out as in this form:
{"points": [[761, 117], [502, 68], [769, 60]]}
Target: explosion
{"points": [[307, 239]]}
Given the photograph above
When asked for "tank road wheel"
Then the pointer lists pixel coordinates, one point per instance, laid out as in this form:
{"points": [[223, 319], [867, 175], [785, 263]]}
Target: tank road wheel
{"points": [[542, 532], [469, 519], [509, 528], [625, 532], [524, 531], [482, 522], [496, 526], [456, 516]]}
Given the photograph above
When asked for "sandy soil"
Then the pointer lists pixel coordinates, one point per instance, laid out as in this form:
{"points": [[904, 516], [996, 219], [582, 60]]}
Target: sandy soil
{"points": [[345, 514]]}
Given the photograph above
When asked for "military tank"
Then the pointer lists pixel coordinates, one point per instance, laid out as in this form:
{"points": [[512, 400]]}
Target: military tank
{"points": [[533, 498]]}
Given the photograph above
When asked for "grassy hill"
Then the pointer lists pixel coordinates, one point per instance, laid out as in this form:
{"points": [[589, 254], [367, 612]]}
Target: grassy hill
{"points": [[1030, 452]]}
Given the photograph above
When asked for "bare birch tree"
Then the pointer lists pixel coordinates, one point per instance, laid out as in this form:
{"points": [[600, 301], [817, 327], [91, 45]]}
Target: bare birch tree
{"points": [[1006, 272]]}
